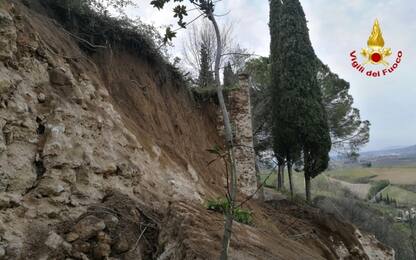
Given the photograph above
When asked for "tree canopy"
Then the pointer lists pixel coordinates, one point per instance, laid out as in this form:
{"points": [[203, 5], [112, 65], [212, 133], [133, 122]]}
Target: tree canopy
{"points": [[348, 131]]}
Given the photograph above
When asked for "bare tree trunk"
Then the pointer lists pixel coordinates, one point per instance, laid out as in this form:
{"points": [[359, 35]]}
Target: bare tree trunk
{"points": [[283, 177], [259, 182], [280, 173], [279, 178], [230, 145], [308, 187], [289, 171]]}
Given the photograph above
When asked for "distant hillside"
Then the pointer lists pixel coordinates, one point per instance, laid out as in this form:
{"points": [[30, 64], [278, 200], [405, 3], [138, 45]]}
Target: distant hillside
{"points": [[405, 151], [391, 156]]}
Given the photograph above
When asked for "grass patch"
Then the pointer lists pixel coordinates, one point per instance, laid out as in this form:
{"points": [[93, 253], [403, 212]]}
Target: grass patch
{"points": [[320, 186], [376, 187], [241, 215], [271, 181], [353, 175], [399, 175], [401, 195], [411, 188]]}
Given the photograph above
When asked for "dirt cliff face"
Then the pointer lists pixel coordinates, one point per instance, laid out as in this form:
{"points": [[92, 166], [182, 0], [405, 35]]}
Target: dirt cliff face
{"points": [[103, 156]]}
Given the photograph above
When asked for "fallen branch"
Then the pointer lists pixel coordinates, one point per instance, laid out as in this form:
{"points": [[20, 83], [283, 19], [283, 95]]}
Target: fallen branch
{"points": [[85, 41], [138, 239]]}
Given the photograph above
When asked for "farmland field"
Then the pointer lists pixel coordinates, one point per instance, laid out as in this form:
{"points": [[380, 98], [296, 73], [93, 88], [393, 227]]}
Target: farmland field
{"points": [[321, 185], [402, 180], [359, 181], [401, 195], [360, 195], [403, 175]]}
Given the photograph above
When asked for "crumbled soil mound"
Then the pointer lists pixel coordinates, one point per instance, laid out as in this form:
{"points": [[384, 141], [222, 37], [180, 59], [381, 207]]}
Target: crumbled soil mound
{"points": [[116, 227]]}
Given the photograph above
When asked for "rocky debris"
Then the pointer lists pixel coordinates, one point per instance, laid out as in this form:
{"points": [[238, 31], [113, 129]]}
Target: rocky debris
{"points": [[2, 251], [41, 98], [104, 238], [122, 245], [89, 227], [8, 200], [372, 248], [71, 237], [7, 35], [54, 241], [102, 250], [82, 247], [50, 187], [90, 237], [59, 76]]}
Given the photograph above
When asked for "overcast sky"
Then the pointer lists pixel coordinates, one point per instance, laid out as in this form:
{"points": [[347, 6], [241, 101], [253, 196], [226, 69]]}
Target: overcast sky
{"points": [[336, 29]]}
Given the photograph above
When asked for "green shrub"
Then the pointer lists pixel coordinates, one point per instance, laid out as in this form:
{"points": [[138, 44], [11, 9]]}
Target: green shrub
{"points": [[218, 205], [376, 187], [209, 93], [92, 22], [243, 216]]}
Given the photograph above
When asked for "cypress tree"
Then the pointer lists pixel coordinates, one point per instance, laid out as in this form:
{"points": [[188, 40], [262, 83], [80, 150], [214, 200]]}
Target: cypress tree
{"points": [[299, 117], [315, 137], [284, 88], [277, 89], [205, 78], [230, 79]]}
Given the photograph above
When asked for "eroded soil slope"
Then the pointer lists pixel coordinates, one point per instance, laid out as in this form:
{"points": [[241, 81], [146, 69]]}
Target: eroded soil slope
{"points": [[103, 156]]}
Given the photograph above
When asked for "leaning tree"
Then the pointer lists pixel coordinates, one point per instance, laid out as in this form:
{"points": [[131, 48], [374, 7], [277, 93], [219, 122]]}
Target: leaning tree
{"points": [[206, 8]]}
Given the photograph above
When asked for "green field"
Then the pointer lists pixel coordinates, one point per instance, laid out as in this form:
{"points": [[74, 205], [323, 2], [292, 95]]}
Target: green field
{"points": [[321, 185], [402, 180], [399, 175], [401, 195], [352, 175]]}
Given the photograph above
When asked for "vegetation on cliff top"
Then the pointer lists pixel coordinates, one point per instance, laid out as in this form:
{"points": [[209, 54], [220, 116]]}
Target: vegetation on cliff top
{"points": [[91, 24]]}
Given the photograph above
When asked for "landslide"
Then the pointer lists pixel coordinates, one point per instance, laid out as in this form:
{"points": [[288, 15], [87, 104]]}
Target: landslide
{"points": [[103, 156]]}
